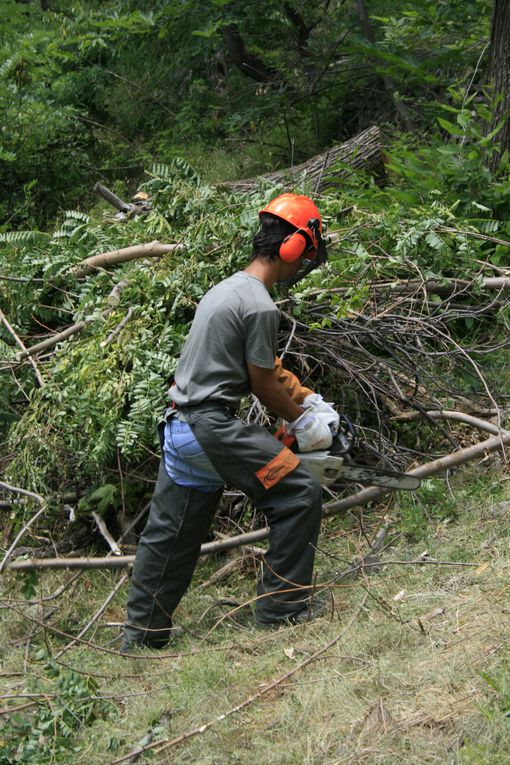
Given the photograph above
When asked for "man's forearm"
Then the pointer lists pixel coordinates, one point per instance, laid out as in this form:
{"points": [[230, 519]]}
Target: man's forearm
{"points": [[279, 402], [291, 383]]}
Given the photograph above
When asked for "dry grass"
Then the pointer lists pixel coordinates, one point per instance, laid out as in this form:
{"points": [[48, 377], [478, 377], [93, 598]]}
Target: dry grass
{"points": [[421, 679]]}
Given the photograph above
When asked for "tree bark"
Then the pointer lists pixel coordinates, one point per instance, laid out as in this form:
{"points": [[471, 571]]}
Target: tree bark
{"points": [[106, 259], [499, 74], [364, 151]]}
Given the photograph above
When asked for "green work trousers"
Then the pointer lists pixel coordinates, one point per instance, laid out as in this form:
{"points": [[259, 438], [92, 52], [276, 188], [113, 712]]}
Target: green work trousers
{"points": [[180, 518]]}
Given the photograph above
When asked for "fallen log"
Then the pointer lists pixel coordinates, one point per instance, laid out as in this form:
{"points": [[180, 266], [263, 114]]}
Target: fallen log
{"points": [[363, 152], [499, 440]]}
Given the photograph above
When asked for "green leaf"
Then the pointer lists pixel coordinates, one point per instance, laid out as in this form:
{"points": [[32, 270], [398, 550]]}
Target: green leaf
{"points": [[29, 586], [483, 112], [450, 127]]}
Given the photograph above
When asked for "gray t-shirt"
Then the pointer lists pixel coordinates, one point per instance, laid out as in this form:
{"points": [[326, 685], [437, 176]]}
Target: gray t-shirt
{"points": [[236, 322]]}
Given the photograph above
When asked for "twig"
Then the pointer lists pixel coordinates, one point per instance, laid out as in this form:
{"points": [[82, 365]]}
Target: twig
{"points": [[75, 329], [475, 234], [23, 348], [364, 564], [143, 89], [114, 547], [146, 740], [233, 565], [95, 617], [133, 523], [42, 502], [118, 329]]}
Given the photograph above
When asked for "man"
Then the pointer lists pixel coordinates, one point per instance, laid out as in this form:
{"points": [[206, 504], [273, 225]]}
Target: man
{"points": [[230, 352]]}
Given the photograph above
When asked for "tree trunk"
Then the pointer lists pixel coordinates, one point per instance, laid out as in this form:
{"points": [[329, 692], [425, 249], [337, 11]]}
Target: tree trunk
{"points": [[389, 84], [499, 74], [248, 63], [364, 151]]}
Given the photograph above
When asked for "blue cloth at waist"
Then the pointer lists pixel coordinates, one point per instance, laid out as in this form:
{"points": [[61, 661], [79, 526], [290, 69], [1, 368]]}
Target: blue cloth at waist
{"points": [[185, 461]]}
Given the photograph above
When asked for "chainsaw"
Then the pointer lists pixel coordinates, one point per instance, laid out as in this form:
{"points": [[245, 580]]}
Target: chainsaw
{"points": [[335, 465]]}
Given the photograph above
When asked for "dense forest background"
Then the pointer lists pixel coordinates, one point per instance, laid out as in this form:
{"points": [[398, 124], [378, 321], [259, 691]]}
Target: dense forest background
{"points": [[99, 91]]}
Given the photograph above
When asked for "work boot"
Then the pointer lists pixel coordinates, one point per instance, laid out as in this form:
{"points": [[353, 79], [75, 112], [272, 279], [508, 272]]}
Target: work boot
{"points": [[129, 645], [313, 609]]}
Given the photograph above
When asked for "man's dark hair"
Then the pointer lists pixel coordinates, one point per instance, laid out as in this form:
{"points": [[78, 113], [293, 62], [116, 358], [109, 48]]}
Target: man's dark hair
{"points": [[267, 240]]}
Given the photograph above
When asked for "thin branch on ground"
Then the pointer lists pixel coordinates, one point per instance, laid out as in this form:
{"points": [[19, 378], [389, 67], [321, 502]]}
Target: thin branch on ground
{"points": [[94, 618]]}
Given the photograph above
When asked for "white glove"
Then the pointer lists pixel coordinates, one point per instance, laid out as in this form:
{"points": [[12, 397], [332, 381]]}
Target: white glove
{"points": [[311, 432], [325, 411]]}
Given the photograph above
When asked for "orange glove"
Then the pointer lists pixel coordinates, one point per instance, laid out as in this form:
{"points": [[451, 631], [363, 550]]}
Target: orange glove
{"points": [[291, 383]]}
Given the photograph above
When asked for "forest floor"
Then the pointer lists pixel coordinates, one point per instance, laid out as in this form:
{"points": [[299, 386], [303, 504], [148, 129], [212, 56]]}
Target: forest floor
{"points": [[411, 665]]}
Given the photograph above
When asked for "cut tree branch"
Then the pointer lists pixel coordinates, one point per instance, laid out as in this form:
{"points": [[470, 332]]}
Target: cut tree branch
{"points": [[364, 152], [74, 329], [108, 259]]}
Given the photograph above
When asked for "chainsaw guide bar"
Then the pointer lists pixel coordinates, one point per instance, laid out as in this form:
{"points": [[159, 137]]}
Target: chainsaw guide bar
{"points": [[330, 469]]}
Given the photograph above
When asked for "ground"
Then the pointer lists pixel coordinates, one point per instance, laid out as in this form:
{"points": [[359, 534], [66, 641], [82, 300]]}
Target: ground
{"points": [[411, 664]]}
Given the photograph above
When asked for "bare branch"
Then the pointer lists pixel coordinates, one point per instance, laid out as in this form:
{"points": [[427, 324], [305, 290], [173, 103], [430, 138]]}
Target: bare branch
{"points": [[107, 259], [23, 348], [42, 502], [103, 529]]}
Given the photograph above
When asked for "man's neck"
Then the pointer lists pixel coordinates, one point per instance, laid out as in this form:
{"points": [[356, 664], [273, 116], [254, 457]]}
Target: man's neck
{"points": [[267, 271]]}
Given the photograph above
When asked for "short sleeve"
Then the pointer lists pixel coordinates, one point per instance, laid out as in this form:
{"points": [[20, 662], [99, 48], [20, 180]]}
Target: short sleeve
{"points": [[261, 335]]}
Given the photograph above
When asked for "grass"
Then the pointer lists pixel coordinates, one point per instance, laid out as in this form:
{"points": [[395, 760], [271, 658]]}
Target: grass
{"points": [[421, 678]]}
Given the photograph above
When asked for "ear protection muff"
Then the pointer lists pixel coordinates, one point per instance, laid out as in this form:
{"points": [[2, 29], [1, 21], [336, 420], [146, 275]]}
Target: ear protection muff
{"points": [[292, 247]]}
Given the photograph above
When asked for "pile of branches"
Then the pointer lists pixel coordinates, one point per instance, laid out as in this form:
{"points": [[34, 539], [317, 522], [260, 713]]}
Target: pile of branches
{"points": [[396, 360], [399, 359]]}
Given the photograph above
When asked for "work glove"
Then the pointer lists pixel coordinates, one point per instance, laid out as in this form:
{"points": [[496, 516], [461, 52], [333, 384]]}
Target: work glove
{"points": [[310, 431], [314, 402]]}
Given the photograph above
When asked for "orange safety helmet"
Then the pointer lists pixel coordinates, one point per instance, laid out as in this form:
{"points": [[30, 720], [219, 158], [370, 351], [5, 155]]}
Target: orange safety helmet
{"points": [[302, 213]]}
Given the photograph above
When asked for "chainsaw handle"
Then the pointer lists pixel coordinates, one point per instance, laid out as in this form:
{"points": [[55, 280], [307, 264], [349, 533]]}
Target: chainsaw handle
{"points": [[287, 439], [344, 439]]}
